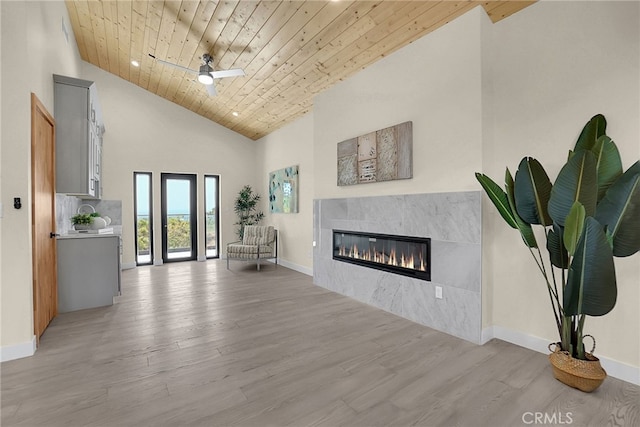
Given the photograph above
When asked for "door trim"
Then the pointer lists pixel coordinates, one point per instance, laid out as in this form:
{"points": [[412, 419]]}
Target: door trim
{"points": [[217, 214], [193, 214]]}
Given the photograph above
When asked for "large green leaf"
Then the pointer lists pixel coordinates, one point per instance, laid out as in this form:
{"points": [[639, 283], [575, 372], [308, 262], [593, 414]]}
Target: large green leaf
{"points": [[557, 252], [532, 192], [498, 197], [591, 283], [608, 163], [525, 229], [594, 129], [619, 211], [573, 227], [577, 181]]}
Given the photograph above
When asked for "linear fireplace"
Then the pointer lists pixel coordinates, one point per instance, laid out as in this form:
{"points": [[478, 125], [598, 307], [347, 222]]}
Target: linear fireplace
{"points": [[409, 256]]}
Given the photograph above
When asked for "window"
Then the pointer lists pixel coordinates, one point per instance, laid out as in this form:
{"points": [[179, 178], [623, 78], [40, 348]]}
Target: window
{"points": [[143, 217], [211, 215]]}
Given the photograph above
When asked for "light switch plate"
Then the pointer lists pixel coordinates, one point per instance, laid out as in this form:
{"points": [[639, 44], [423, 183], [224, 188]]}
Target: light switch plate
{"points": [[439, 292]]}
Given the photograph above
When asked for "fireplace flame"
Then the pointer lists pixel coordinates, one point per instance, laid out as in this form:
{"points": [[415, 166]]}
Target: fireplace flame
{"points": [[403, 260]]}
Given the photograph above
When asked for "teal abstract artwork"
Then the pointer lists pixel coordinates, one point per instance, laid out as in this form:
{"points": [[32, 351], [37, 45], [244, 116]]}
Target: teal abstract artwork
{"points": [[283, 190]]}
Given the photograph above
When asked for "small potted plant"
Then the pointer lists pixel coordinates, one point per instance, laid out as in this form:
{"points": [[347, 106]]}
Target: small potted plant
{"points": [[82, 221], [589, 215]]}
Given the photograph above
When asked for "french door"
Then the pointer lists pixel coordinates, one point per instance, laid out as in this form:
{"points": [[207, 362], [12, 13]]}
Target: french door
{"points": [[179, 217]]}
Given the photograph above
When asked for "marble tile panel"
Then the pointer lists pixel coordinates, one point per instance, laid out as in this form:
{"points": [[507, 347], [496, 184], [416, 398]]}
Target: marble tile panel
{"points": [[330, 209], [323, 274], [383, 209], [445, 216], [388, 292], [342, 224], [324, 243], [66, 207], [316, 218], [458, 312], [110, 208], [457, 264]]}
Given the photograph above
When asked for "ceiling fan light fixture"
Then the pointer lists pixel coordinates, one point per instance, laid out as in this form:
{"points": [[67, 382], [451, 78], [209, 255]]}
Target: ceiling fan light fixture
{"points": [[204, 76]]}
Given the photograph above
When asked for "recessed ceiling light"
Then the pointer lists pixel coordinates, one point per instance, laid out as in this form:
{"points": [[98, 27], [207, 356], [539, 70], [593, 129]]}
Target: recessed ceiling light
{"points": [[235, 114], [135, 63]]}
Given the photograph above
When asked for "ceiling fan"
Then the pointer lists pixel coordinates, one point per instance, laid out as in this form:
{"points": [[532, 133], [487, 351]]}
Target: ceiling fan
{"points": [[206, 75]]}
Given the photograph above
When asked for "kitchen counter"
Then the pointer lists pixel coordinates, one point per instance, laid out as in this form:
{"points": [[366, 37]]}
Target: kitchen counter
{"points": [[116, 231]]}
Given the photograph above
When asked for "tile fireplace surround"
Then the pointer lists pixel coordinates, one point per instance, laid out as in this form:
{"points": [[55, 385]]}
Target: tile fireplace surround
{"points": [[451, 220]]}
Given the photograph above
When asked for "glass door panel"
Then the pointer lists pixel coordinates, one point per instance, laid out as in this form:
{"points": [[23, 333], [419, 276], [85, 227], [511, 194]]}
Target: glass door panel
{"points": [[143, 218], [179, 218], [211, 190]]}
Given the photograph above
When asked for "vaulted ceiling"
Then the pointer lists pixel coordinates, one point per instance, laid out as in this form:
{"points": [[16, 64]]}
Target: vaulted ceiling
{"points": [[289, 50]]}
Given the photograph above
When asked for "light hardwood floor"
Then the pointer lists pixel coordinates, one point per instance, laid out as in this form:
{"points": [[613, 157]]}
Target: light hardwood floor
{"points": [[195, 344]]}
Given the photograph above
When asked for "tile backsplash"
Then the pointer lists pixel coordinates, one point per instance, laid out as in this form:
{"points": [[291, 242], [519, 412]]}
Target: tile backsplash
{"points": [[67, 206]]}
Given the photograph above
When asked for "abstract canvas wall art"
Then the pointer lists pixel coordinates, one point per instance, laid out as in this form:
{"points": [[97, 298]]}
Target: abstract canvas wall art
{"points": [[283, 190], [383, 155]]}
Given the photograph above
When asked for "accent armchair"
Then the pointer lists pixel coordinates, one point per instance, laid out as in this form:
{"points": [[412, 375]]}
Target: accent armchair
{"points": [[259, 242]]}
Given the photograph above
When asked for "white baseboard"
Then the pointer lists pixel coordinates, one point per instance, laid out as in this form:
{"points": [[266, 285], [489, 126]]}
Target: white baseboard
{"points": [[283, 262], [127, 265], [299, 268], [158, 261], [202, 258], [614, 368], [18, 351]]}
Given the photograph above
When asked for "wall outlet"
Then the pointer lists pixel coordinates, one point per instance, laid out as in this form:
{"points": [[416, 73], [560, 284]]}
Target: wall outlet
{"points": [[439, 292]]}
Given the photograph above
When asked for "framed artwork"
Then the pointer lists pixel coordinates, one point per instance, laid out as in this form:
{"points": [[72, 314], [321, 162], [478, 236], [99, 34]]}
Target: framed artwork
{"points": [[383, 155], [283, 190]]}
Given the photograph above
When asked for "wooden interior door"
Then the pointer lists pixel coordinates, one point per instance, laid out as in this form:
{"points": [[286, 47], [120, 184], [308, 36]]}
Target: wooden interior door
{"points": [[43, 218]]}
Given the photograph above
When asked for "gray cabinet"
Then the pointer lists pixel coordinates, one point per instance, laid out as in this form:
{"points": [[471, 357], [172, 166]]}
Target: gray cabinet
{"points": [[79, 131], [88, 272]]}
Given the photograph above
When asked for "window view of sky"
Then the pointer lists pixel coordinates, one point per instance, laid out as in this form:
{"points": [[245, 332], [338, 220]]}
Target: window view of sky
{"points": [[177, 195]]}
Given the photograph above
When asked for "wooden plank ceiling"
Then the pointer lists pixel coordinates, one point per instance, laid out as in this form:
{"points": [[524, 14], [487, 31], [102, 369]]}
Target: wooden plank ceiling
{"points": [[290, 50]]}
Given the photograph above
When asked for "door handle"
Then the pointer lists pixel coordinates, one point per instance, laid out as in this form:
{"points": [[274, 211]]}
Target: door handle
{"points": [[53, 235]]}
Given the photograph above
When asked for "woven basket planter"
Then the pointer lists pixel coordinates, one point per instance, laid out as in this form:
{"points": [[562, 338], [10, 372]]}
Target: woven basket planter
{"points": [[585, 375]]}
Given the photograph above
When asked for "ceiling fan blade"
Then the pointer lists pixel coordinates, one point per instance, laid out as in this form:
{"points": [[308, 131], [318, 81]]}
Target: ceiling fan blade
{"points": [[211, 89], [235, 72], [170, 64]]}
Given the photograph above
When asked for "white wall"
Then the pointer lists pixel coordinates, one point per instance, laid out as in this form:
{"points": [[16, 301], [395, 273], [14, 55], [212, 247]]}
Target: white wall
{"points": [[435, 82], [289, 146], [555, 65], [33, 48], [147, 133]]}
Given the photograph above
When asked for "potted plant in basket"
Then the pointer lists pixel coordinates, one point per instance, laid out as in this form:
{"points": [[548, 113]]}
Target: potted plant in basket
{"points": [[589, 215], [245, 207]]}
